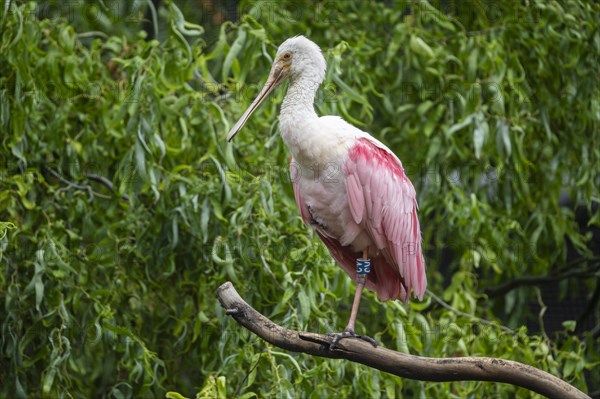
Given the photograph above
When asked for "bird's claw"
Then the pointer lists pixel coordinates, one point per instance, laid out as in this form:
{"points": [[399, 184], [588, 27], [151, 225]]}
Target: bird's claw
{"points": [[347, 333], [232, 311]]}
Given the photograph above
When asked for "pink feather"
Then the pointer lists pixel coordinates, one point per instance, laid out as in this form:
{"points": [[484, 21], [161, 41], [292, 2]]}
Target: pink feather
{"points": [[382, 204]]}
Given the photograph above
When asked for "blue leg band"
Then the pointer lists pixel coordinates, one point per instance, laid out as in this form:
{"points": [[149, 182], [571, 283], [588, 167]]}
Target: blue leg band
{"points": [[363, 266]]}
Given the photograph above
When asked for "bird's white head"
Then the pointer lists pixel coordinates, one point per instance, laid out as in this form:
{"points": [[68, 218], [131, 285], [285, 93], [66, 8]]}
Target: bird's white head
{"points": [[305, 59], [297, 58]]}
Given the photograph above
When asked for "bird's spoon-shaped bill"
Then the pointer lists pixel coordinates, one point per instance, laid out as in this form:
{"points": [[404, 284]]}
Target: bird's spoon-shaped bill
{"points": [[278, 73]]}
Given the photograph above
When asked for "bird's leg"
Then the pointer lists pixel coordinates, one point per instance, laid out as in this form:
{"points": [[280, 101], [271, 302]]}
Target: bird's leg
{"points": [[360, 285], [363, 267]]}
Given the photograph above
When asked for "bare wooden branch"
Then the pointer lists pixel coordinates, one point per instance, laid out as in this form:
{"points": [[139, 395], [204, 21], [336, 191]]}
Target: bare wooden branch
{"points": [[400, 364]]}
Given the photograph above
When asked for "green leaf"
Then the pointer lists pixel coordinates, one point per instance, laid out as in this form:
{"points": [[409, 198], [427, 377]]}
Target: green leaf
{"points": [[304, 306], [174, 395], [232, 54], [503, 133], [480, 133], [569, 325], [420, 47], [460, 125]]}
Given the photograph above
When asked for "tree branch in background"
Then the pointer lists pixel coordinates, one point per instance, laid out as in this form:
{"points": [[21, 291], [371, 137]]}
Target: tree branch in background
{"points": [[400, 364], [106, 183], [447, 306], [592, 305], [539, 280], [91, 193], [71, 184]]}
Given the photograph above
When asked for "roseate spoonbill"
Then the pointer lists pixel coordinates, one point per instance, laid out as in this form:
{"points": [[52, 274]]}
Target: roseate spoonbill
{"points": [[349, 187]]}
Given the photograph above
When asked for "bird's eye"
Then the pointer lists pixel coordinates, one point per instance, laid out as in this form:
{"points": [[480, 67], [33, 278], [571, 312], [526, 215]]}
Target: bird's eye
{"points": [[287, 56]]}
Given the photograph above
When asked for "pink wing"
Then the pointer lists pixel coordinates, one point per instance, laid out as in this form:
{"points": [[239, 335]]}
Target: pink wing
{"points": [[383, 201]]}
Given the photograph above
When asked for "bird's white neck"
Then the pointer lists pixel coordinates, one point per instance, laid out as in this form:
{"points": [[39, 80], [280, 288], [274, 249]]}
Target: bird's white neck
{"points": [[297, 109]]}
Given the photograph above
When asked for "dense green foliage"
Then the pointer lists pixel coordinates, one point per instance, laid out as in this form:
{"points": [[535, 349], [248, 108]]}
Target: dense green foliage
{"points": [[123, 207]]}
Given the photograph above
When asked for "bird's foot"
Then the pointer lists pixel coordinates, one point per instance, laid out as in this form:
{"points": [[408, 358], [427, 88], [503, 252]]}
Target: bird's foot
{"points": [[348, 333]]}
